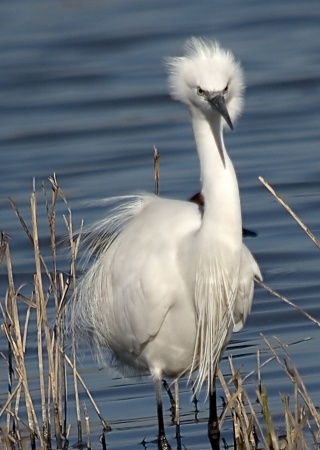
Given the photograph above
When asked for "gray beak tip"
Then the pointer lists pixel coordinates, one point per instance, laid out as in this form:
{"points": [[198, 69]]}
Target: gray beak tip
{"points": [[217, 103]]}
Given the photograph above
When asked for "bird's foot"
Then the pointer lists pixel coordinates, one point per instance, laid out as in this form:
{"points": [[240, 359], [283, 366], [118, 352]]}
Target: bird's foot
{"points": [[178, 437], [163, 444], [214, 434]]}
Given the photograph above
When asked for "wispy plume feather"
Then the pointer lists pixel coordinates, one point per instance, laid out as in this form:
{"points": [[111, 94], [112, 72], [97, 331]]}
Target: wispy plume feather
{"points": [[215, 295]]}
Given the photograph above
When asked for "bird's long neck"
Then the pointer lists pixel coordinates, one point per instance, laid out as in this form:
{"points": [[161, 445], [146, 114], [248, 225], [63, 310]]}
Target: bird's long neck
{"points": [[222, 212], [217, 249]]}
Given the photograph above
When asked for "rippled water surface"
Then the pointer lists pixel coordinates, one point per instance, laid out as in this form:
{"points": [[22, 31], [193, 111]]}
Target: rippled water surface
{"points": [[83, 94]]}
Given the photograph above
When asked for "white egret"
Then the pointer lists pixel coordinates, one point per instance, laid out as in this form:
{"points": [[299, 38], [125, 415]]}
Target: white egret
{"points": [[171, 279]]}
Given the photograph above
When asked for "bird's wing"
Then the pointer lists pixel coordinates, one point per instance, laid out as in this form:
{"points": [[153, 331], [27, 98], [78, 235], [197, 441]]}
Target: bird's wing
{"points": [[248, 270], [145, 273], [97, 238], [96, 299], [144, 301]]}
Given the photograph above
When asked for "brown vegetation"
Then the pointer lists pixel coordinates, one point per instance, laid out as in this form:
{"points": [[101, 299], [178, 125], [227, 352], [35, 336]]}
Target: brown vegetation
{"points": [[47, 426]]}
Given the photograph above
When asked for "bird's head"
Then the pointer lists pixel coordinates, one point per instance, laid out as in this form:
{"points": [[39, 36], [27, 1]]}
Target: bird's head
{"points": [[208, 80]]}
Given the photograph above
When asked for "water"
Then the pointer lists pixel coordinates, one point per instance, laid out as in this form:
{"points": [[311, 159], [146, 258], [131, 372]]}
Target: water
{"points": [[83, 94]]}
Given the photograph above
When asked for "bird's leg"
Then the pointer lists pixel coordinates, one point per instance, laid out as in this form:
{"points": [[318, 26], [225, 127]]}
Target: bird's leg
{"points": [[195, 402], [172, 400], [177, 413], [213, 423], [162, 440]]}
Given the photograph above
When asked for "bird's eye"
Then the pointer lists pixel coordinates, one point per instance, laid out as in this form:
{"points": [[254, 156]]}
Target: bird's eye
{"points": [[200, 91], [226, 89]]}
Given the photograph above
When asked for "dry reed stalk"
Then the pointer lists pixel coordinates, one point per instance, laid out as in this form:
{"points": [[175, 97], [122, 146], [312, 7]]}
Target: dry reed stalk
{"points": [[63, 290], [289, 302], [297, 381], [294, 424], [309, 234], [50, 341], [245, 436], [24, 340], [300, 419], [58, 344], [6, 407], [244, 433], [16, 343], [87, 422], [5, 251], [42, 322], [28, 233], [246, 420], [288, 420], [7, 441], [106, 427], [289, 210], [264, 403], [255, 424], [156, 170], [55, 380], [74, 247], [60, 290]]}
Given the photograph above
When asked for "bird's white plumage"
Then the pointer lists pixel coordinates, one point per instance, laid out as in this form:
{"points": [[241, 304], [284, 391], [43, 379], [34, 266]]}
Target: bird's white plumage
{"points": [[172, 280]]}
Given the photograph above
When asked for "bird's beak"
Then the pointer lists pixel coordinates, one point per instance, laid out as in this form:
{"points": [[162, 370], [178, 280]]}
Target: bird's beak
{"points": [[217, 102]]}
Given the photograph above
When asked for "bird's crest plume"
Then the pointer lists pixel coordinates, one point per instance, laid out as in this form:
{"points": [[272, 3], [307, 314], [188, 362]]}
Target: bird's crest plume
{"points": [[207, 65]]}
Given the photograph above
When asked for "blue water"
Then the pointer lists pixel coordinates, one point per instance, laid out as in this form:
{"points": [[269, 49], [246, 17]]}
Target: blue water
{"points": [[83, 94]]}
